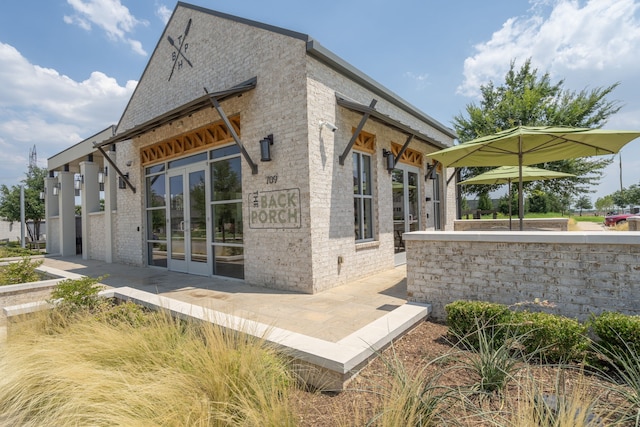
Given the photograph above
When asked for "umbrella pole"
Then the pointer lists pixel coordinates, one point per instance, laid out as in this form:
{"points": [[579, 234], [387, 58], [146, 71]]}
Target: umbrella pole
{"points": [[510, 198], [520, 198]]}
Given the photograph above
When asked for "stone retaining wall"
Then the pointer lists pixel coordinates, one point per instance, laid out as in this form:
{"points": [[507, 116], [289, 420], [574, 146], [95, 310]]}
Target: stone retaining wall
{"points": [[580, 273], [530, 224], [23, 293]]}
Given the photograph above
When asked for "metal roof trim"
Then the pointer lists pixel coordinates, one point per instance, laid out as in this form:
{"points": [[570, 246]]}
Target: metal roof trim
{"points": [[375, 114], [324, 55], [181, 111]]}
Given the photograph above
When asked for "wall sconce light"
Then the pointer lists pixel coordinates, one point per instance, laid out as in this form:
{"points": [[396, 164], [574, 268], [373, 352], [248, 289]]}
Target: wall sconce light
{"points": [[431, 172], [391, 160], [101, 177], [129, 163], [265, 148], [77, 184], [121, 182], [56, 188], [43, 193]]}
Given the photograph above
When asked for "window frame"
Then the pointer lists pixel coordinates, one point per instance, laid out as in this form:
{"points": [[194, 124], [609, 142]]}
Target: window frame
{"points": [[361, 197]]}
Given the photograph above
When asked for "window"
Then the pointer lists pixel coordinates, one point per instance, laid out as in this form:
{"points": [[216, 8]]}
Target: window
{"points": [[362, 197], [226, 212], [156, 216], [437, 217]]}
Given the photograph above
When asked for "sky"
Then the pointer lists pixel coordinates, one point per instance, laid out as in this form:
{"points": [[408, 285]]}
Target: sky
{"points": [[69, 67]]}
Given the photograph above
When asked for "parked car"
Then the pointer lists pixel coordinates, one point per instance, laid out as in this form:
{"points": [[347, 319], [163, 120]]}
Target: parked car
{"points": [[615, 219]]}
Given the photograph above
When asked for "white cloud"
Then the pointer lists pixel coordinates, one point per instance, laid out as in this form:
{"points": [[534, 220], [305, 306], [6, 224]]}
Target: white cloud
{"points": [[164, 13], [421, 80], [588, 44], [110, 15], [39, 106], [599, 36]]}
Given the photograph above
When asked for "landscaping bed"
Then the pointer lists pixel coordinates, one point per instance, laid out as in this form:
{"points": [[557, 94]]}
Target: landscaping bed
{"points": [[369, 392]]}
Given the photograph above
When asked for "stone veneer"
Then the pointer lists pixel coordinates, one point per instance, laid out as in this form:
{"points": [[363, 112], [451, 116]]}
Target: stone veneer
{"points": [[294, 93], [580, 273]]}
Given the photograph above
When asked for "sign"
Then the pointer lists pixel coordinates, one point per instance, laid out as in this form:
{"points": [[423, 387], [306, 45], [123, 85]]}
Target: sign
{"points": [[179, 50], [275, 209]]}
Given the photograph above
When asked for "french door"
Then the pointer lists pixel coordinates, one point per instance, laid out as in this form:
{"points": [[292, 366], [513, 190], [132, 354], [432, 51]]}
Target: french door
{"points": [[188, 248], [406, 204]]}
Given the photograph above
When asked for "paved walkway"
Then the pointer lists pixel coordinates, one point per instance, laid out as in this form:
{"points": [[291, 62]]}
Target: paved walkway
{"points": [[330, 315], [590, 226]]}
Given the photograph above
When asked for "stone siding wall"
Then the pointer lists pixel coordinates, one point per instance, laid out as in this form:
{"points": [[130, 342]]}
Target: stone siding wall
{"points": [[294, 93], [53, 235], [451, 201], [228, 53], [331, 203], [97, 238], [580, 273], [10, 230]]}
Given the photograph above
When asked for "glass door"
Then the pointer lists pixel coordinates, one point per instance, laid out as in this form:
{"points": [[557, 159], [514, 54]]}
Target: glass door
{"points": [[188, 220], [406, 204]]}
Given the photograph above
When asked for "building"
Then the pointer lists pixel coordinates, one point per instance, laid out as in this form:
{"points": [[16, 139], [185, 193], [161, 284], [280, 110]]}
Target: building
{"points": [[250, 151]]}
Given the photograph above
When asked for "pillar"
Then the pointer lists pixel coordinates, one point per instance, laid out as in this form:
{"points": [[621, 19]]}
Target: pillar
{"points": [[89, 201], [50, 211], [67, 213], [110, 214]]}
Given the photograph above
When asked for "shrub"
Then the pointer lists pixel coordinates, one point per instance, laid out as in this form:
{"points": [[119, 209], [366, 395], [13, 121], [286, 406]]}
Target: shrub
{"points": [[127, 313], [22, 271], [616, 331], [75, 294], [465, 318], [14, 250], [551, 337]]}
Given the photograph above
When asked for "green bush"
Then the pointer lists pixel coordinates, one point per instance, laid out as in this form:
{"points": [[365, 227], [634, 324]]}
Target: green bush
{"points": [[465, 318], [128, 313], [616, 331], [551, 337], [76, 294], [22, 271]]}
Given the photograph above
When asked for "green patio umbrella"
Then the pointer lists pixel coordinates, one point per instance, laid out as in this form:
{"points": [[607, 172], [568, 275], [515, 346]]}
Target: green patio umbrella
{"points": [[507, 174], [528, 145]]}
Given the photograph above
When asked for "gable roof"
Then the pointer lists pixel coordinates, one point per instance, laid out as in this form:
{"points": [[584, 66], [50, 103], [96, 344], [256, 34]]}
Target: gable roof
{"points": [[328, 58]]}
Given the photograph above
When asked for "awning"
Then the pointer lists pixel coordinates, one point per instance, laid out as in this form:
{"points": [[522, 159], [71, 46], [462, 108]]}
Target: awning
{"points": [[388, 121], [184, 110]]}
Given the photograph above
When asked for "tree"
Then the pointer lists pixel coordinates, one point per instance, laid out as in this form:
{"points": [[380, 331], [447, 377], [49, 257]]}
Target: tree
{"points": [[503, 204], [627, 196], [464, 204], [484, 203], [559, 202], [605, 204], [538, 202], [620, 198], [525, 98], [33, 206], [583, 202]]}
